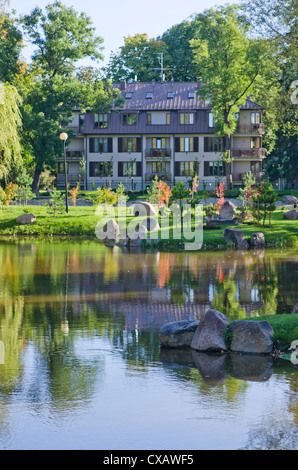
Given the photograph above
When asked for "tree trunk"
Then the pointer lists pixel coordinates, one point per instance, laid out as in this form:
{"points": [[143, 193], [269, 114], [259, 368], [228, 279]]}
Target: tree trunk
{"points": [[36, 181]]}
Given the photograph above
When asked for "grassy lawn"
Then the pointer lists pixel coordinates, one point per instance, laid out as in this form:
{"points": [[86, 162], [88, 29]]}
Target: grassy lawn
{"points": [[81, 221], [285, 328]]}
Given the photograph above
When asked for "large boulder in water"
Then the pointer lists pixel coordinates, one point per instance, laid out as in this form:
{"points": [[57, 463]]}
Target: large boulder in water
{"points": [[210, 333], [178, 334], [251, 337], [235, 237]]}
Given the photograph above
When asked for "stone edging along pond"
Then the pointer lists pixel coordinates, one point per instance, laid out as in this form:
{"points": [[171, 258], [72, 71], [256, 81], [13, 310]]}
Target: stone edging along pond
{"points": [[214, 333]]}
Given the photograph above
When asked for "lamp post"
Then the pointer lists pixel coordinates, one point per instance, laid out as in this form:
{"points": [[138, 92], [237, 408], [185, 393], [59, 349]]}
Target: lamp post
{"points": [[63, 137]]}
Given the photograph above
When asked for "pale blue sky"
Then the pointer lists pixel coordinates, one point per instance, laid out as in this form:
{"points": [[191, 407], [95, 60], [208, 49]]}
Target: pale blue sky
{"points": [[115, 19]]}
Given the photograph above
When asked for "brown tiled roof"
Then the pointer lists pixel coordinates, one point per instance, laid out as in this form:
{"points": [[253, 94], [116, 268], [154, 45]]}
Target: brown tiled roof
{"points": [[160, 101]]}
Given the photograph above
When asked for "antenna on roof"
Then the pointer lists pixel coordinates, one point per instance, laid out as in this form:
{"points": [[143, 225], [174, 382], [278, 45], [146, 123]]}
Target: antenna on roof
{"points": [[161, 68]]}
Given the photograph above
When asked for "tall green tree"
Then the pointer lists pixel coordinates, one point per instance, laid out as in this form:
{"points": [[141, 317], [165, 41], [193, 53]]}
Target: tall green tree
{"points": [[10, 126], [52, 86], [277, 21], [230, 65], [140, 57]]}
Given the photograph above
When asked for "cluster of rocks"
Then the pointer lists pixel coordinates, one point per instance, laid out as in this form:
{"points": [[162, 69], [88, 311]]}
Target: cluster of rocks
{"points": [[110, 233], [235, 237], [214, 333]]}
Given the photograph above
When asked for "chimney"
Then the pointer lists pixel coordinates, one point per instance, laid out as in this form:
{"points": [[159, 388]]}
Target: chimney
{"points": [[123, 85]]}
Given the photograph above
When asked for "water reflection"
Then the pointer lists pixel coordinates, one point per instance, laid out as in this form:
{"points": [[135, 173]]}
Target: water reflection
{"points": [[74, 318]]}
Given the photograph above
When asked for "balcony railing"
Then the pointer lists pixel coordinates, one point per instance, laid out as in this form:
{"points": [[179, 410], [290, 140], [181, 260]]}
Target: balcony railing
{"points": [[158, 153], [248, 153], [250, 128], [150, 176], [72, 155], [70, 178], [239, 177]]}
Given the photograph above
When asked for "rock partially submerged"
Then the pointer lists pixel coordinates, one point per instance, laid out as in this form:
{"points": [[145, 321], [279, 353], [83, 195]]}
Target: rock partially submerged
{"points": [[178, 334], [257, 239], [210, 333], [251, 337], [235, 237]]}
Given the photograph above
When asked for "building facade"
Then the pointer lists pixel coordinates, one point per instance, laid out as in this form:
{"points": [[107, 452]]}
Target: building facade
{"points": [[163, 130]]}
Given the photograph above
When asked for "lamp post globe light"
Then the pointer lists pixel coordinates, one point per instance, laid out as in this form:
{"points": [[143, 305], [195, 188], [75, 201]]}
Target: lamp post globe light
{"points": [[63, 137]]}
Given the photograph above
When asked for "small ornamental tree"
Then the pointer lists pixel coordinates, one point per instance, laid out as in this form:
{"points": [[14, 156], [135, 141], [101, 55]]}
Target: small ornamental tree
{"points": [[153, 192], [74, 194], [220, 194], [180, 192], [164, 194], [267, 199]]}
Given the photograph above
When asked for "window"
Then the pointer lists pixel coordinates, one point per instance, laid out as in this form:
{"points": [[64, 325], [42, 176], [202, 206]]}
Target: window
{"points": [[214, 169], [101, 120], [170, 95], [159, 143], [186, 168], [129, 168], [255, 167], [100, 144], [129, 119], [158, 167], [255, 142], [191, 94], [149, 95], [255, 118], [186, 144], [129, 144], [128, 95], [158, 118], [211, 120], [186, 118], [98, 169], [213, 144]]}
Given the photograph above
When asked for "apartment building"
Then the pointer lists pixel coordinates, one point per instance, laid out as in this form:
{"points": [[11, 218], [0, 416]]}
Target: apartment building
{"points": [[163, 130]]}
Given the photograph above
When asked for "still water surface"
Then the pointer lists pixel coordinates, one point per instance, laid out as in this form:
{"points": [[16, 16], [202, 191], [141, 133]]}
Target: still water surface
{"points": [[80, 363]]}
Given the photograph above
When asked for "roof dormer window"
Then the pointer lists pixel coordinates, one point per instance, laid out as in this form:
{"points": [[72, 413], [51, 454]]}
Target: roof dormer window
{"points": [[170, 95], [128, 95], [149, 95], [191, 94]]}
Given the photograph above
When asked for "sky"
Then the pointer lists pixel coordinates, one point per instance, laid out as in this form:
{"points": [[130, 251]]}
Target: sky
{"points": [[116, 19]]}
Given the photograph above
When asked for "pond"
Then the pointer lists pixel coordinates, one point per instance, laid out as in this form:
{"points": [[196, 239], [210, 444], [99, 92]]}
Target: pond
{"points": [[80, 362]]}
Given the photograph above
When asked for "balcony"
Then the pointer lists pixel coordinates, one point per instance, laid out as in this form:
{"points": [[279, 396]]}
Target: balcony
{"points": [[72, 155], [239, 177], [149, 177], [70, 178], [248, 153], [158, 153], [250, 129]]}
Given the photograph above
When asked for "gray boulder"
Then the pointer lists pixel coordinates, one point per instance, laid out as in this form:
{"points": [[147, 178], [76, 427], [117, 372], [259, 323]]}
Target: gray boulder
{"points": [[178, 334], [235, 236], [291, 215], [144, 208], [151, 224], [227, 211], [288, 199], [210, 334], [257, 239], [111, 232], [251, 337], [26, 219]]}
